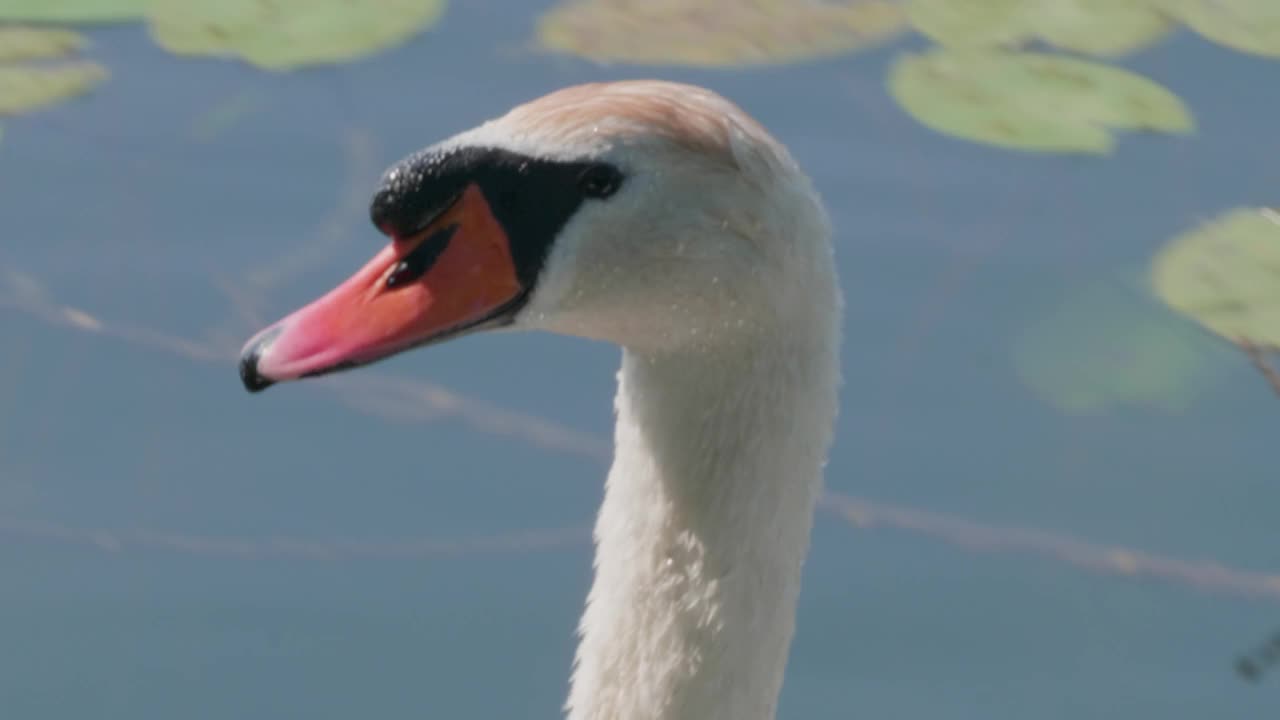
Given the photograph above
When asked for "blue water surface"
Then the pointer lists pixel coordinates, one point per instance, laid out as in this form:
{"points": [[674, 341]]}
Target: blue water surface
{"points": [[121, 205]]}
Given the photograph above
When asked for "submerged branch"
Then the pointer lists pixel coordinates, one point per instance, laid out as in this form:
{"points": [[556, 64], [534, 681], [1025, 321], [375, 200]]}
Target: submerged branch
{"points": [[1259, 357], [260, 548], [384, 396]]}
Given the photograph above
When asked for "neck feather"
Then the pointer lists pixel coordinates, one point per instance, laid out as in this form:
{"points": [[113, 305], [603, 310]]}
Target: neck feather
{"points": [[703, 530]]}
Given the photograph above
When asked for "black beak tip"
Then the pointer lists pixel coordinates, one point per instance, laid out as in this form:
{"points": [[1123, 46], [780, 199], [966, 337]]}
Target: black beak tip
{"points": [[253, 382]]}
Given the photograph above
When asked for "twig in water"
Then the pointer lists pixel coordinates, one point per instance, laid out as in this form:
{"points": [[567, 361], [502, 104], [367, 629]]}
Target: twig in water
{"points": [[1258, 356], [384, 396]]}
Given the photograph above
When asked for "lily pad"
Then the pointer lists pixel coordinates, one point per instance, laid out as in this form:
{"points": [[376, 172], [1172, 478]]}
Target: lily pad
{"points": [[1226, 276], [717, 33], [287, 34], [1091, 27], [27, 88], [21, 43], [1111, 345], [1032, 101], [1251, 26], [72, 11]]}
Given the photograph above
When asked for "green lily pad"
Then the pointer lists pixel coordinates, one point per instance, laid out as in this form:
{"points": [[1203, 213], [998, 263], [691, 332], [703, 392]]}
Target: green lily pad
{"points": [[21, 43], [1091, 27], [1226, 276], [1110, 345], [1032, 101], [27, 88], [287, 34], [717, 33], [1251, 26], [72, 11]]}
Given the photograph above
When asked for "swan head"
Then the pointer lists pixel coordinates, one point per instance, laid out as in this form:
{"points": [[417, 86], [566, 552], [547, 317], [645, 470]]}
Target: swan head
{"points": [[654, 215]]}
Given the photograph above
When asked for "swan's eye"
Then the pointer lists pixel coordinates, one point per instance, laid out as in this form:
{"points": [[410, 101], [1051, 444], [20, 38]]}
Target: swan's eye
{"points": [[420, 259], [599, 181]]}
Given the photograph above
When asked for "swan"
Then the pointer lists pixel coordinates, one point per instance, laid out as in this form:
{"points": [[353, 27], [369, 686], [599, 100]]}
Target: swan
{"points": [[662, 218]]}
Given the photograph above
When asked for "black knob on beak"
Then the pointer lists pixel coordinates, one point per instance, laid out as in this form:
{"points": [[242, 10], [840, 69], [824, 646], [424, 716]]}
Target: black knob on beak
{"points": [[249, 356]]}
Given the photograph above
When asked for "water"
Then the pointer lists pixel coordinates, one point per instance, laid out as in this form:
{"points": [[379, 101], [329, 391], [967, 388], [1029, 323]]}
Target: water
{"points": [[181, 605]]}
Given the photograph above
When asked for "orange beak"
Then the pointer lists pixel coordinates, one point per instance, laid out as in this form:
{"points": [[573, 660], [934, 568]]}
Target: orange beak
{"points": [[454, 276]]}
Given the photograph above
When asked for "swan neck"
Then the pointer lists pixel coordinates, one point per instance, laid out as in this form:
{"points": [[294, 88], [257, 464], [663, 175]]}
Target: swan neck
{"points": [[703, 531]]}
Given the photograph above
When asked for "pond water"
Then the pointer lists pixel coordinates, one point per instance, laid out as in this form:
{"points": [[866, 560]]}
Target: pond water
{"points": [[411, 541]]}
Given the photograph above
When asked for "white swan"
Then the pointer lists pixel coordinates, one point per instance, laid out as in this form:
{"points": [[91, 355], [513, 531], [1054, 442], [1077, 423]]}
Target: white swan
{"points": [[662, 218]]}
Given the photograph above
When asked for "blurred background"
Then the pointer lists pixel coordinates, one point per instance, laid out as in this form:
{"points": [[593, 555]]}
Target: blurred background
{"points": [[1051, 495]]}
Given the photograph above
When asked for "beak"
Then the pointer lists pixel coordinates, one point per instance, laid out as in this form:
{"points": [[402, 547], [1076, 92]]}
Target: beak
{"points": [[454, 276]]}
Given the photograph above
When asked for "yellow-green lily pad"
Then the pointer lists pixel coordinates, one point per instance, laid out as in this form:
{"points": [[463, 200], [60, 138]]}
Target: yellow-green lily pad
{"points": [[1032, 101], [1111, 345], [24, 43], [72, 11], [287, 34], [1251, 26], [1226, 276], [28, 88], [717, 33], [1091, 27]]}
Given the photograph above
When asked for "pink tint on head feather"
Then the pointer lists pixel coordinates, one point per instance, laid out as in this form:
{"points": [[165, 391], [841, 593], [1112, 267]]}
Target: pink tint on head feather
{"points": [[690, 118]]}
